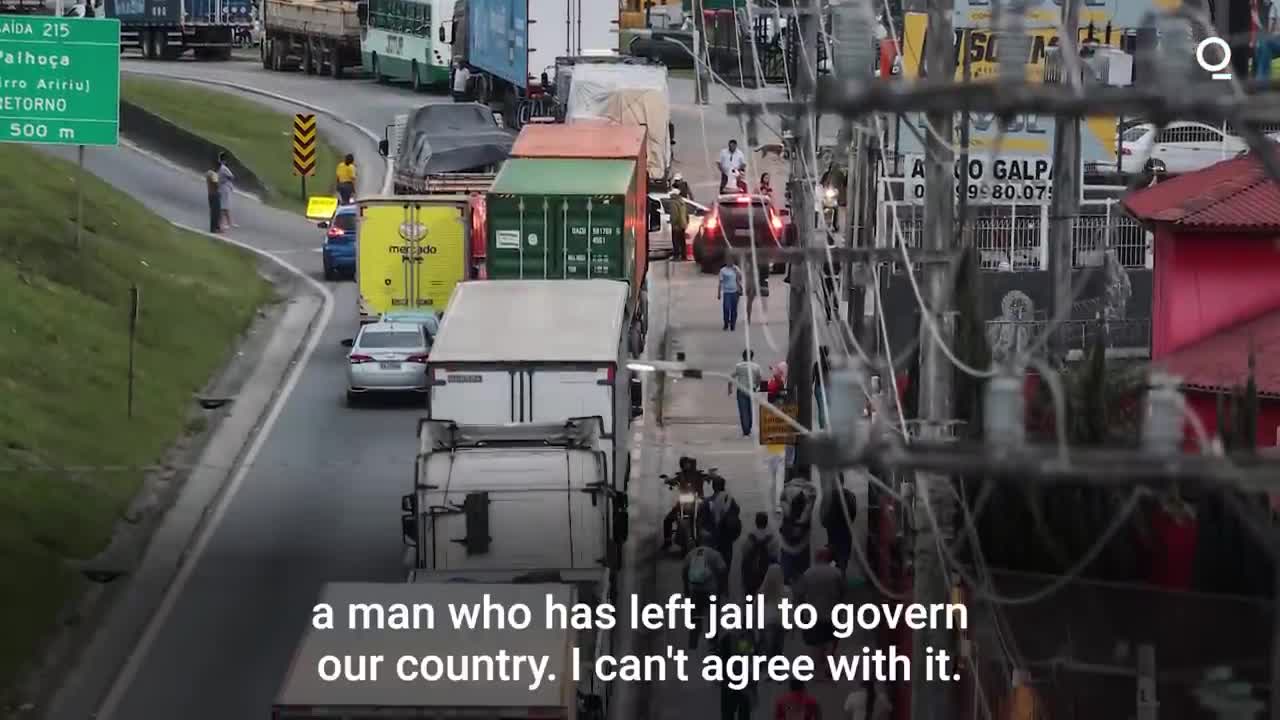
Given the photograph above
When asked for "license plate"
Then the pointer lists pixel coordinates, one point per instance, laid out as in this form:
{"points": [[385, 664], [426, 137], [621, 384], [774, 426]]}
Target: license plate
{"points": [[389, 365]]}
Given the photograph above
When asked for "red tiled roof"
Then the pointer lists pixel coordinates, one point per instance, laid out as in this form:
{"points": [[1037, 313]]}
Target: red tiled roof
{"points": [[1233, 195], [1221, 361]]}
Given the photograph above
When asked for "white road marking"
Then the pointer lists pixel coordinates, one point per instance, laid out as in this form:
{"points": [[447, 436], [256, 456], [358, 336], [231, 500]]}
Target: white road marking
{"points": [[124, 680]]}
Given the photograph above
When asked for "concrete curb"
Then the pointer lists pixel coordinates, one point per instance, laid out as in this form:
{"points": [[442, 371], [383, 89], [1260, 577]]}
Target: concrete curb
{"points": [[126, 625], [387, 178]]}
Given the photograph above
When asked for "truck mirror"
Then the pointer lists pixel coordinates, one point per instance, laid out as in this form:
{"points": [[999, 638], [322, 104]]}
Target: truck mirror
{"points": [[384, 147], [362, 13], [348, 342], [441, 33], [406, 503], [636, 412], [322, 224], [409, 530]]}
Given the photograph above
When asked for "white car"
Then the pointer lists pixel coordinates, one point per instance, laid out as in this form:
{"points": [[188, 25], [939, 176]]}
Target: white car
{"points": [[660, 238], [387, 357], [1180, 147]]}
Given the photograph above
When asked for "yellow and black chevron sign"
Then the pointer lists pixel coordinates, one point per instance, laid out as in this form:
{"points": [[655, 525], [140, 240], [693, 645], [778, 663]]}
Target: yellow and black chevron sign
{"points": [[304, 145]]}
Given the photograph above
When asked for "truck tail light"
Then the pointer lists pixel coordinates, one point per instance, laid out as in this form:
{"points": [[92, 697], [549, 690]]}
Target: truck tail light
{"points": [[611, 374], [775, 221], [360, 359]]}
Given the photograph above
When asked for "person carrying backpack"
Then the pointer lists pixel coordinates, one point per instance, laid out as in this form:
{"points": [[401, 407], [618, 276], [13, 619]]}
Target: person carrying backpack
{"points": [[798, 497], [839, 528], [736, 704], [759, 552], [724, 517], [705, 574]]}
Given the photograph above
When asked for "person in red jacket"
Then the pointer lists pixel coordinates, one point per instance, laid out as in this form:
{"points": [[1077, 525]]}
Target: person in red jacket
{"points": [[797, 704]]}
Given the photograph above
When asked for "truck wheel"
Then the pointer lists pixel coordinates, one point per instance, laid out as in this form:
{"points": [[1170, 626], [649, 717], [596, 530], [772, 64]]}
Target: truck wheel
{"points": [[308, 59], [417, 81], [150, 45], [277, 55]]}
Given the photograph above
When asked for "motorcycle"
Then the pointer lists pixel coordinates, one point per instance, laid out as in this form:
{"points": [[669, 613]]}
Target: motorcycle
{"points": [[688, 506]]}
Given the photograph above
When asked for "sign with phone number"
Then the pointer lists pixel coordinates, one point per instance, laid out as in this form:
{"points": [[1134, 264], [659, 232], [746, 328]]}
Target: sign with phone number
{"points": [[1026, 179]]}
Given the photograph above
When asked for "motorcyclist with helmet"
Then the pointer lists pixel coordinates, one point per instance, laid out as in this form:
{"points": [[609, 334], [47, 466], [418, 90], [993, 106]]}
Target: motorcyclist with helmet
{"points": [[688, 480]]}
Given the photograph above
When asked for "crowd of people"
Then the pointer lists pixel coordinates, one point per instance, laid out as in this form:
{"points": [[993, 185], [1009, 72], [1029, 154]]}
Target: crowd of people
{"points": [[776, 562]]}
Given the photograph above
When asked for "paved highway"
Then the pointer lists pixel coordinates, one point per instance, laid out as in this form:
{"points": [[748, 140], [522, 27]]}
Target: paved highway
{"points": [[320, 503]]}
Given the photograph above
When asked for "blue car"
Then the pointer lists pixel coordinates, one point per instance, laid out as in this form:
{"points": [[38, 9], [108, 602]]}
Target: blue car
{"points": [[340, 243]]}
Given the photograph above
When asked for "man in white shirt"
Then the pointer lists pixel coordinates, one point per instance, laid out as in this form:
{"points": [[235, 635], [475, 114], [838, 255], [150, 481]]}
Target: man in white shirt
{"points": [[461, 79], [731, 161]]}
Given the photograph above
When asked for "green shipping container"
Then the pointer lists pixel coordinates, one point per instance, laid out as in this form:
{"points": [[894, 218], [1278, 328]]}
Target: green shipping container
{"points": [[558, 218]]}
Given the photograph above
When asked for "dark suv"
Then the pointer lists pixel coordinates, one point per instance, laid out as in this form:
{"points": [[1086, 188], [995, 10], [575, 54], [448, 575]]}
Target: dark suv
{"points": [[736, 221]]}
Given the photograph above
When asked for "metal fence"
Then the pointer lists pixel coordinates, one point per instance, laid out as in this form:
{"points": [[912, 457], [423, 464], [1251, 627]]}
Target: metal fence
{"points": [[1014, 335], [1016, 237]]}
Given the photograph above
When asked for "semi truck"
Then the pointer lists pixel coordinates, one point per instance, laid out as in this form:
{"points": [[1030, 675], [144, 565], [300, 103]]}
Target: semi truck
{"points": [[532, 497], [573, 219], [315, 36], [411, 252], [166, 29], [511, 45], [538, 351], [626, 94], [304, 694]]}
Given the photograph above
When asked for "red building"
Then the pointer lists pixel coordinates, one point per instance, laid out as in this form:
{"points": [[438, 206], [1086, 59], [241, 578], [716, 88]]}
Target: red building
{"points": [[1217, 285]]}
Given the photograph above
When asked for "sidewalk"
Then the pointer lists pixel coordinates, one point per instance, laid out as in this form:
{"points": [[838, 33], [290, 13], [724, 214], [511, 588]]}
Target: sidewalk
{"points": [[701, 421]]}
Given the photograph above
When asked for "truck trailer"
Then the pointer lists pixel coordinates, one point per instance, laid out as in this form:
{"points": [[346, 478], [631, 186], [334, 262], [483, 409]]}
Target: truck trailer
{"points": [[304, 695], [511, 45], [316, 36], [537, 351], [572, 219], [166, 29]]}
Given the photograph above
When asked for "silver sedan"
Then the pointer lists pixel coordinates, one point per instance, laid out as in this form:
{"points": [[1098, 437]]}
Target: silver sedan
{"points": [[387, 357]]}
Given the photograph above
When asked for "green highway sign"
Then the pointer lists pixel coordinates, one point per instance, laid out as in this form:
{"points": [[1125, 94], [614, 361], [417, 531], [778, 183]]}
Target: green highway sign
{"points": [[59, 80]]}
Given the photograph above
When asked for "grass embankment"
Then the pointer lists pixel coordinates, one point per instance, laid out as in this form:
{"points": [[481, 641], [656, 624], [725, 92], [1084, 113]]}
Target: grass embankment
{"points": [[259, 137], [64, 319]]}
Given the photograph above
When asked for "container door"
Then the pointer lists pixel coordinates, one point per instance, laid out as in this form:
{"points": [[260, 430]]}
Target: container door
{"points": [[520, 229], [439, 253], [382, 262], [592, 237], [467, 397], [557, 395]]}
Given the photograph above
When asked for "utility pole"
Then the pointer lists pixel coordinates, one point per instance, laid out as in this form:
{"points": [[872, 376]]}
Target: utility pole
{"points": [[803, 220], [1065, 204], [702, 68], [933, 502]]}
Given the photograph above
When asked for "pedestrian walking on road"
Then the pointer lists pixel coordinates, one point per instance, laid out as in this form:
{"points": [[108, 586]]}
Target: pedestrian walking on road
{"points": [[725, 517], [731, 162], [211, 181], [797, 704], [705, 576], [346, 179], [736, 703], [766, 187], [797, 500], [728, 291], [821, 586], [679, 221], [759, 552], [746, 380], [226, 184], [839, 527], [772, 592]]}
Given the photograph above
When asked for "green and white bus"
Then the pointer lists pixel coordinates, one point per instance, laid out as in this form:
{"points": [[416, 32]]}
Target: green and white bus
{"points": [[407, 41]]}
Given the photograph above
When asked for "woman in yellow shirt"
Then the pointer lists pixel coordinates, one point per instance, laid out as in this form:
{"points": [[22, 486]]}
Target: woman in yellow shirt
{"points": [[346, 176]]}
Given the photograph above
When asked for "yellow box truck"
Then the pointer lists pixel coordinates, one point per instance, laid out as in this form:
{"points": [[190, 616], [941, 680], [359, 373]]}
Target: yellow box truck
{"points": [[411, 252]]}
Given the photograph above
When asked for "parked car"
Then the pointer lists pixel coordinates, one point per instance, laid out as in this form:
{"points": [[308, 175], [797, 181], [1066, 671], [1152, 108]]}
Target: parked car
{"points": [[737, 221], [1180, 147], [387, 357], [339, 250], [660, 245]]}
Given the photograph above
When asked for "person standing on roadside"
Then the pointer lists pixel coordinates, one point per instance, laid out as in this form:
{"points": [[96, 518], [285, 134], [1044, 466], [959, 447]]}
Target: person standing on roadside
{"points": [[679, 221], [728, 290], [346, 179], [732, 162], [746, 380], [226, 183], [461, 82], [821, 586], [678, 182], [211, 182], [759, 552]]}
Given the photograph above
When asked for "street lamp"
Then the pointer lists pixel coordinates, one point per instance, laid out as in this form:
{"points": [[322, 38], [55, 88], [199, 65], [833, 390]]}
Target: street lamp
{"points": [[684, 371]]}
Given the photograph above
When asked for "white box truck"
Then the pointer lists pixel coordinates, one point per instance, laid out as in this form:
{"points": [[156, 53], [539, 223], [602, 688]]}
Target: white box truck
{"points": [[305, 695], [511, 500], [537, 351]]}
